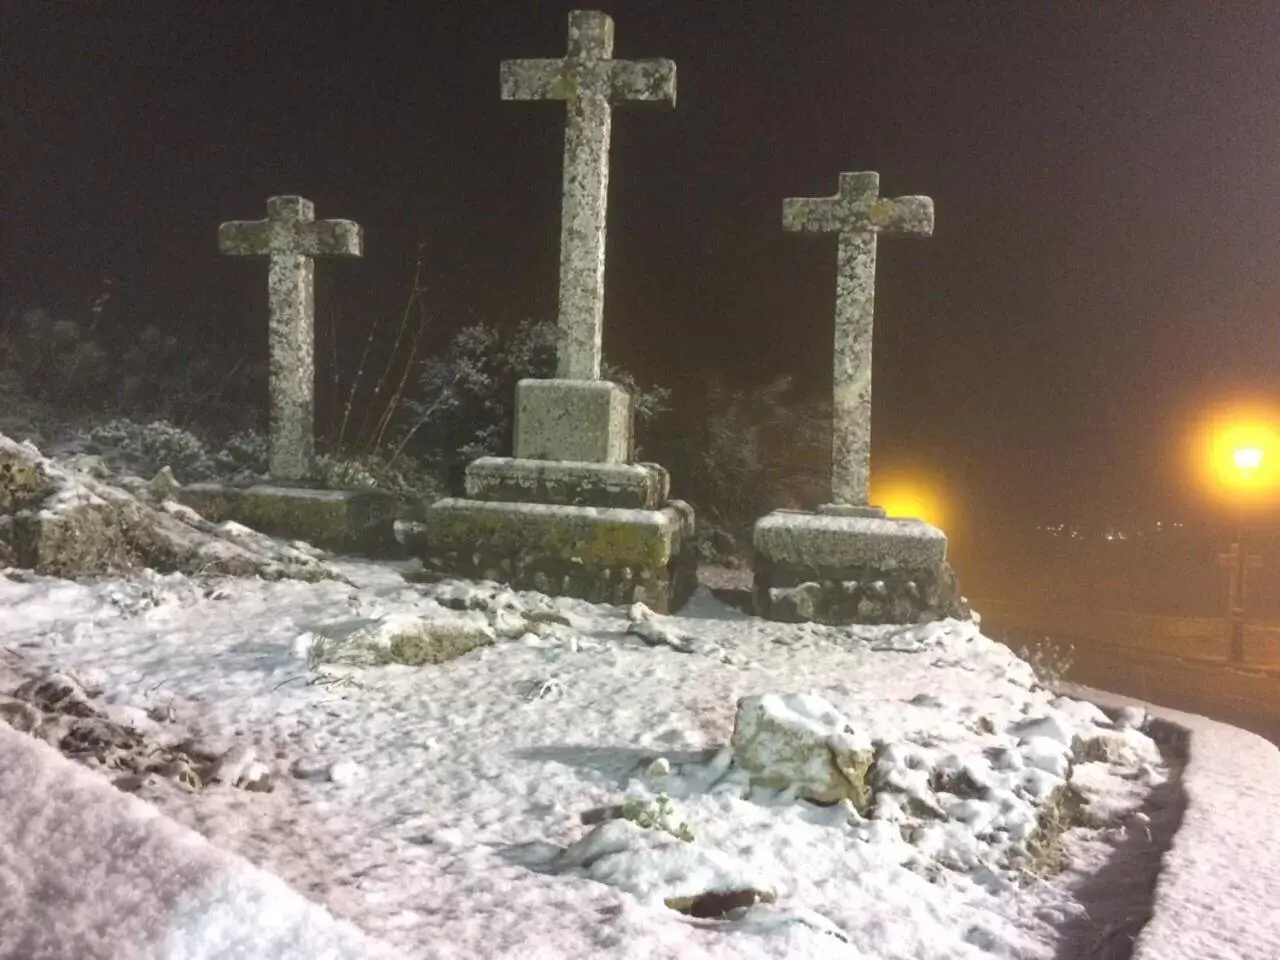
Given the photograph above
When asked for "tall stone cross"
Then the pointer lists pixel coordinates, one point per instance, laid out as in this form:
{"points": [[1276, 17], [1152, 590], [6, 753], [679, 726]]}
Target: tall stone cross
{"points": [[857, 214], [590, 82], [291, 237]]}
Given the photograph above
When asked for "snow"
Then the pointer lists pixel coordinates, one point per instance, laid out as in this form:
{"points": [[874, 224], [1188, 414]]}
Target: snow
{"points": [[142, 885], [886, 527], [1216, 892], [658, 519], [471, 808]]}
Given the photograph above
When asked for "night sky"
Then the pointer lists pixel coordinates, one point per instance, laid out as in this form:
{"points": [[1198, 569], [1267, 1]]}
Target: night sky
{"points": [[1106, 179]]}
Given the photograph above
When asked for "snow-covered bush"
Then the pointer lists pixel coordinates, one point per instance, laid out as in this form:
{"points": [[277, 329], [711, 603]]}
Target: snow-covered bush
{"points": [[751, 451], [1050, 661], [463, 404], [245, 452], [146, 448], [92, 363]]}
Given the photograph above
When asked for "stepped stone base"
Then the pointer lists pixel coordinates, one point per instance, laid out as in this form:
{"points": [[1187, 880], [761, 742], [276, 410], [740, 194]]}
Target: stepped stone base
{"points": [[598, 554], [346, 521], [641, 486], [838, 569]]}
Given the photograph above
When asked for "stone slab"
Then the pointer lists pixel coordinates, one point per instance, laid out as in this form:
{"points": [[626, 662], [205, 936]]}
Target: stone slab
{"points": [[642, 486], [852, 569], [826, 541], [346, 521], [584, 420], [599, 554]]}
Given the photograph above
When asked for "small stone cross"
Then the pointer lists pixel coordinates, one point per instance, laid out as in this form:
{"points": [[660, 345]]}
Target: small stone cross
{"points": [[857, 213], [589, 81], [291, 237]]}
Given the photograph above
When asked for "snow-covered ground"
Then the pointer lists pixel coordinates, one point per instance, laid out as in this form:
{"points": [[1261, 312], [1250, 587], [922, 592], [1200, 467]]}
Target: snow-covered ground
{"points": [[472, 808], [1217, 891]]}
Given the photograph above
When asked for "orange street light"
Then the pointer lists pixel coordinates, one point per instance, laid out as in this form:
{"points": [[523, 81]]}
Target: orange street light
{"points": [[1238, 449], [1248, 459], [1235, 455]]}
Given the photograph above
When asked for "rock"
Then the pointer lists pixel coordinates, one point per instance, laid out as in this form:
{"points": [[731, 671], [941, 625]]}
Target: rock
{"points": [[438, 641], [57, 693], [656, 868], [1123, 746], [658, 769], [1047, 754], [164, 484], [24, 479], [801, 742], [20, 715], [345, 772], [232, 766], [60, 522], [57, 709], [643, 624], [1052, 727], [1131, 717], [92, 464]]}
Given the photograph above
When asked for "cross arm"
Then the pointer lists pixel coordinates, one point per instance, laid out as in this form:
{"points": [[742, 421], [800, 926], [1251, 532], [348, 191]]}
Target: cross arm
{"points": [[245, 237], [316, 238], [653, 79], [536, 80], [909, 215], [329, 238], [905, 215]]}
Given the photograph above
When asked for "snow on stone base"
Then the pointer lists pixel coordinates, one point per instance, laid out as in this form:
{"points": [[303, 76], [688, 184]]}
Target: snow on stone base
{"points": [[92, 873]]}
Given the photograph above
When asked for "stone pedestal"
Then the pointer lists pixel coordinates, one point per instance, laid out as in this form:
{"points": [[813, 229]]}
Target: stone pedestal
{"points": [[346, 521], [846, 567], [602, 532], [583, 420]]}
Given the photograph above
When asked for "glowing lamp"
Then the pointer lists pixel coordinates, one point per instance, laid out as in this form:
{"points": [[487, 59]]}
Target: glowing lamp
{"points": [[1237, 454], [1248, 458]]}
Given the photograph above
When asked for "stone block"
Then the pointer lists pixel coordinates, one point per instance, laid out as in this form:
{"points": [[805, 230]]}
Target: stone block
{"points": [[585, 420], [599, 554], [824, 540], [845, 570], [346, 521], [641, 486]]}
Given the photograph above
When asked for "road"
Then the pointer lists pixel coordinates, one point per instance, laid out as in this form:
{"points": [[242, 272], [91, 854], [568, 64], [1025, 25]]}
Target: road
{"points": [[1243, 698]]}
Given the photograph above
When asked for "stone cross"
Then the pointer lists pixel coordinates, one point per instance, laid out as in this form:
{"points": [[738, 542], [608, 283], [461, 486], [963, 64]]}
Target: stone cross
{"points": [[590, 82], [291, 236], [857, 213]]}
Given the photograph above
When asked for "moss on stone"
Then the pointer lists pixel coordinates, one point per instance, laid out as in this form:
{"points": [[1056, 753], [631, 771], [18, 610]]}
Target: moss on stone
{"points": [[22, 483], [610, 545], [341, 520]]}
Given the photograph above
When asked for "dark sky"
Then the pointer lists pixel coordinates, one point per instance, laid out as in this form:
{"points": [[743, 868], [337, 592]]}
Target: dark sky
{"points": [[1106, 179]]}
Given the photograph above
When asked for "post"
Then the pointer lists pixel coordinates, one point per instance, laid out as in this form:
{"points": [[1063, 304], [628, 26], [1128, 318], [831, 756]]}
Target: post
{"points": [[1238, 562], [857, 213]]}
